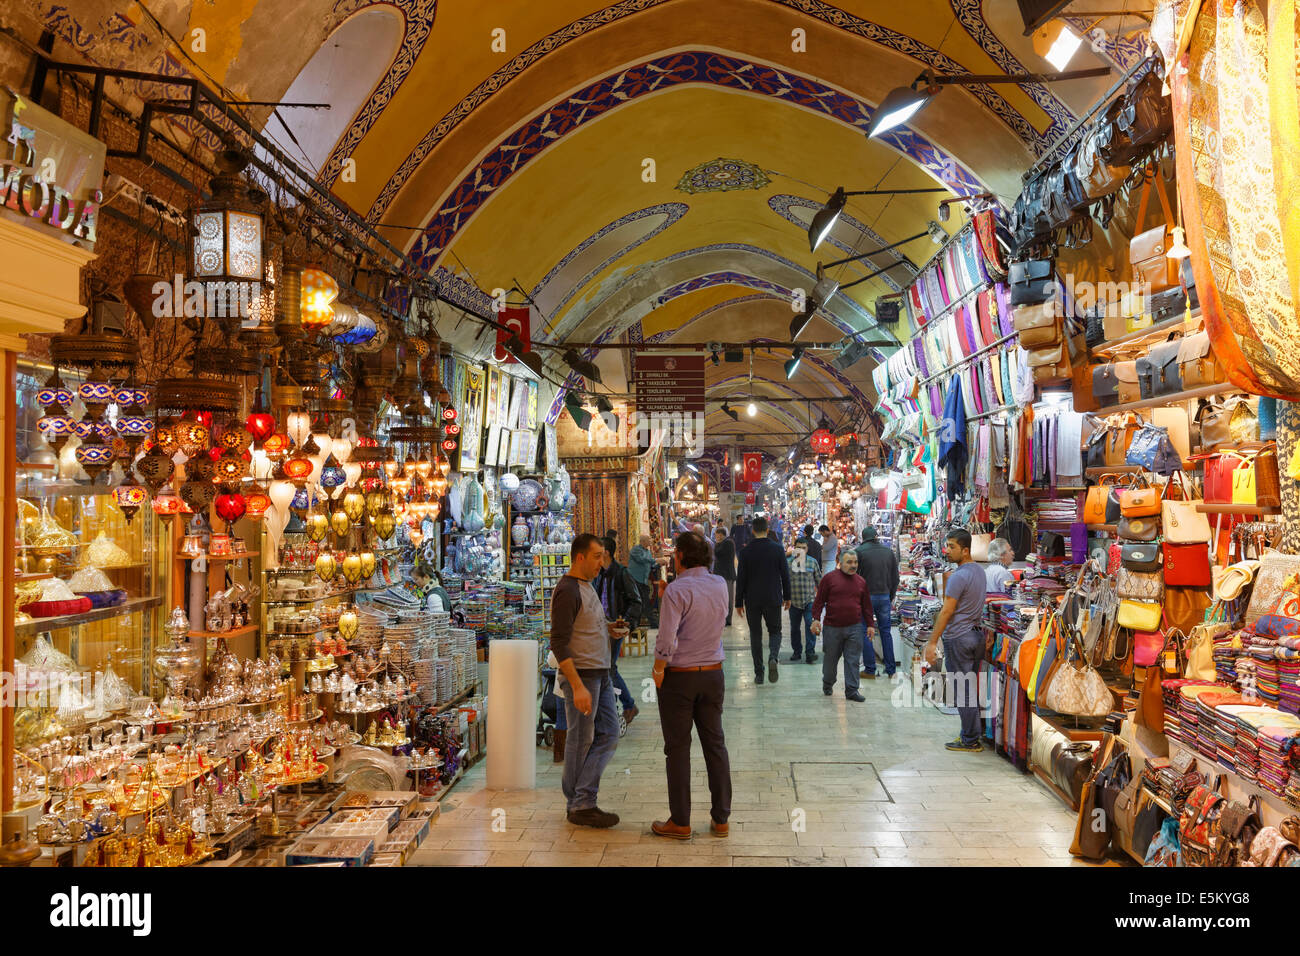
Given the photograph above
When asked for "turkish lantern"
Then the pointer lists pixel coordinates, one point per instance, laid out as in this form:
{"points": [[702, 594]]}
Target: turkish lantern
{"points": [[348, 624], [354, 506], [367, 564], [276, 444], [230, 507], [198, 495], [352, 567], [260, 425], [319, 290], [340, 523], [166, 504], [129, 496], [822, 442], [318, 526], [258, 503], [297, 467], [326, 567], [385, 524]]}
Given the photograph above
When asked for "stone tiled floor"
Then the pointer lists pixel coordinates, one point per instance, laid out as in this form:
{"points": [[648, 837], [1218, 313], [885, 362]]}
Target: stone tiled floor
{"points": [[818, 781]]}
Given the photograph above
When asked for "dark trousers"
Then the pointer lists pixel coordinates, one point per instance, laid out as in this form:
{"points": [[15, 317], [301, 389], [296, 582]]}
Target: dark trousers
{"points": [[802, 615], [649, 607], [756, 615], [686, 699], [961, 658], [880, 606]]}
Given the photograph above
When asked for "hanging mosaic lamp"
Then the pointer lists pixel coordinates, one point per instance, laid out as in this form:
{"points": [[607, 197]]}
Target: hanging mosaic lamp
{"points": [[235, 437], [448, 413], [94, 456], [318, 526], [56, 426], [297, 467], [367, 564], [54, 392], [332, 475], [385, 524], [133, 430], [319, 290], [275, 445], [444, 465], [230, 469], [326, 567], [439, 483], [166, 504], [230, 507], [96, 396], [164, 436], [192, 436], [258, 502], [155, 468], [299, 501], [129, 496], [354, 505], [198, 494]]}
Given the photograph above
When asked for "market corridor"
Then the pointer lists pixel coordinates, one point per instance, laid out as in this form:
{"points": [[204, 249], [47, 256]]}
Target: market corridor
{"points": [[873, 782]]}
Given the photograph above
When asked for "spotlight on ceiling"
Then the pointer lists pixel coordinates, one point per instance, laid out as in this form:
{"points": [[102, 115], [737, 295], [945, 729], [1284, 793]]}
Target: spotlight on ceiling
{"points": [[716, 360], [823, 221], [945, 213], [603, 405], [792, 364], [573, 405], [584, 367], [1056, 43], [937, 233], [800, 322], [902, 103], [728, 410], [515, 347], [751, 409]]}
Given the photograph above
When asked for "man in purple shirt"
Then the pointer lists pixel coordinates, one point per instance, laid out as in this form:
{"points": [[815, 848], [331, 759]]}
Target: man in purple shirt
{"points": [[688, 673]]}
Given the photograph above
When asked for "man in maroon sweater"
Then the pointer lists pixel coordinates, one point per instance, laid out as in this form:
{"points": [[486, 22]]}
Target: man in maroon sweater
{"points": [[847, 602]]}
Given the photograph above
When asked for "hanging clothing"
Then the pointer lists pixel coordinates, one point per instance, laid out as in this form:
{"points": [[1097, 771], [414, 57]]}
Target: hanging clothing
{"points": [[952, 438]]}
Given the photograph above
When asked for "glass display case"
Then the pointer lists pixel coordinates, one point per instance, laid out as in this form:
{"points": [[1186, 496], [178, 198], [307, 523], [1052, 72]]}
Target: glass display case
{"points": [[90, 586]]}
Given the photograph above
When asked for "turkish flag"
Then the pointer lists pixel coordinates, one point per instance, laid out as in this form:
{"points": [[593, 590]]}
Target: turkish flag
{"points": [[749, 497], [753, 471], [518, 320]]}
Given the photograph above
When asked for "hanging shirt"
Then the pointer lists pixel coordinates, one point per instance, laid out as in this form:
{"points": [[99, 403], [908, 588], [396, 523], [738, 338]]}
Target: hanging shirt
{"points": [[952, 438]]}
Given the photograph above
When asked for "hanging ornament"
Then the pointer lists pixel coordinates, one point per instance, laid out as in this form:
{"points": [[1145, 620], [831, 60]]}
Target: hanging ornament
{"points": [[155, 468], [326, 567], [297, 467], [258, 502], [375, 502], [340, 523], [229, 470], [191, 436], [235, 438], [230, 507], [166, 504], [318, 526], [129, 496], [276, 445], [96, 396], [319, 290], [385, 524], [299, 500], [354, 505], [332, 475], [367, 565], [352, 568], [198, 494], [94, 456]]}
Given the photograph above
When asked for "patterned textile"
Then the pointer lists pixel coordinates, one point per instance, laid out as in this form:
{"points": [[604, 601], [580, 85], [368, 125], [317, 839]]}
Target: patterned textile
{"points": [[1230, 121], [1288, 441], [601, 507]]}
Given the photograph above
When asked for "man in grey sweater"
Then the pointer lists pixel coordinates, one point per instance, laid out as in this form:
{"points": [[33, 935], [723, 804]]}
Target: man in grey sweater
{"points": [[580, 643]]}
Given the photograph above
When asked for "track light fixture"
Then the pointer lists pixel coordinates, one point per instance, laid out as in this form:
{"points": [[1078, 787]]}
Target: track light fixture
{"points": [[792, 364], [904, 102], [584, 367], [515, 347], [823, 221], [945, 212], [728, 410]]}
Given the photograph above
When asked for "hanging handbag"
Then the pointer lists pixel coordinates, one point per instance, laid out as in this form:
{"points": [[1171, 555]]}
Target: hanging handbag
{"points": [[1151, 449], [1198, 650], [1147, 117], [1113, 514], [1139, 502], [1111, 781], [1097, 177], [1185, 607], [1159, 372], [1239, 823], [1255, 480], [1147, 647], [1076, 689], [1139, 529], [1039, 325], [1181, 522], [1140, 585], [1139, 615], [1151, 267], [1094, 505], [1122, 431], [1151, 702], [1186, 565], [1127, 386], [1113, 144], [1105, 385], [1029, 652], [1140, 557], [1230, 422], [1032, 281], [1094, 450], [1145, 826], [1071, 765], [1197, 363]]}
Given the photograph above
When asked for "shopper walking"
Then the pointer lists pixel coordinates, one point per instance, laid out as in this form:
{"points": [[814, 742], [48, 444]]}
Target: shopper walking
{"points": [[959, 626], [878, 566], [707, 539], [724, 564], [830, 546], [813, 545], [805, 574], [740, 534], [997, 576], [621, 600], [842, 594], [688, 673], [580, 643], [640, 562], [762, 584]]}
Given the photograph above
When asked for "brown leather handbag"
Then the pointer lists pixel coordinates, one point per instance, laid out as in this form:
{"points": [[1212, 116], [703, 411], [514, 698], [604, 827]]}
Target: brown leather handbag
{"points": [[1039, 325], [1197, 361], [1151, 266], [1185, 607], [1126, 381], [1151, 701], [1121, 435]]}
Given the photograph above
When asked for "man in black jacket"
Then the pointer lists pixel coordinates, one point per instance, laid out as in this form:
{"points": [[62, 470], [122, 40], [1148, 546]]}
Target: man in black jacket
{"points": [[878, 566], [814, 546], [762, 574], [724, 564], [621, 599]]}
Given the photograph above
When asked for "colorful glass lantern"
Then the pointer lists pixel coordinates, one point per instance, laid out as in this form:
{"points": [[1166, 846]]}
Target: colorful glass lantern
{"points": [[451, 431], [352, 567], [367, 564], [166, 504], [318, 526], [444, 465], [275, 445], [94, 456], [385, 524], [354, 506], [155, 468], [235, 438], [319, 290], [339, 523], [230, 469], [300, 502], [348, 624], [298, 425], [326, 567], [198, 494], [297, 467], [416, 536], [375, 502], [230, 507], [391, 466], [258, 502], [439, 484], [332, 474], [822, 442], [260, 425], [56, 427], [191, 436], [129, 496], [448, 413], [424, 467], [54, 392], [448, 444], [96, 396], [228, 228]]}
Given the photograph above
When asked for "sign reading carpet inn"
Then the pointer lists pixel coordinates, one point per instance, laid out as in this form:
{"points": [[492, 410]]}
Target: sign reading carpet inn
{"points": [[50, 171], [669, 390]]}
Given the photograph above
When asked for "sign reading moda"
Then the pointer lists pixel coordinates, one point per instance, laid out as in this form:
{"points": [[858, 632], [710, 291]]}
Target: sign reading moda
{"points": [[670, 400]]}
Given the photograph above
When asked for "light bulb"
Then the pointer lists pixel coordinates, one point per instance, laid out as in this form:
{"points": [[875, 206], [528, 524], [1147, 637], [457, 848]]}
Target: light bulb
{"points": [[751, 409]]}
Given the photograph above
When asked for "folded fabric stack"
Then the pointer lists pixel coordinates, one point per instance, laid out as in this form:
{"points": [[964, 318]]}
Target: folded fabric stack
{"points": [[1158, 777], [1248, 718], [1227, 648], [1263, 650], [1275, 745], [1209, 730]]}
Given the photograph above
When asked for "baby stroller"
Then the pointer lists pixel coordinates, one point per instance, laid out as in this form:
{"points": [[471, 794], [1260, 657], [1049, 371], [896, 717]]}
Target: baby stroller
{"points": [[547, 711]]}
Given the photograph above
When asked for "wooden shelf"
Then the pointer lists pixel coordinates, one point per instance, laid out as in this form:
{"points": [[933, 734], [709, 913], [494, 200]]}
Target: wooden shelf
{"points": [[36, 625], [1236, 510], [1204, 391], [237, 632], [237, 556]]}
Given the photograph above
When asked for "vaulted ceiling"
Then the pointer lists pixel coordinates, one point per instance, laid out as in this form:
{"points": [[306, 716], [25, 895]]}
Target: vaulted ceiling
{"points": [[643, 169]]}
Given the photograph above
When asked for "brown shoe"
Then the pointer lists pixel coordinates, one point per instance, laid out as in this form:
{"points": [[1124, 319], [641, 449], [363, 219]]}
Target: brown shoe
{"points": [[666, 828], [868, 675], [718, 829], [559, 746]]}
